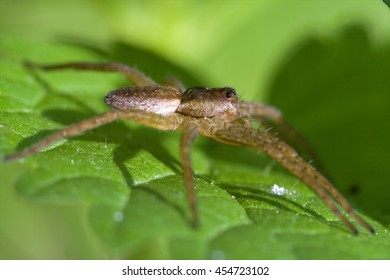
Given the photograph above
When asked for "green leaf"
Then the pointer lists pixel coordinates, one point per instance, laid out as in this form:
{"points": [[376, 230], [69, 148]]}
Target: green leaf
{"points": [[130, 177], [343, 107]]}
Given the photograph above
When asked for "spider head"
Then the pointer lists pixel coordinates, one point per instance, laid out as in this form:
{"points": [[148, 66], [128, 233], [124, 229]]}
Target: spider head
{"points": [[209, 102]]}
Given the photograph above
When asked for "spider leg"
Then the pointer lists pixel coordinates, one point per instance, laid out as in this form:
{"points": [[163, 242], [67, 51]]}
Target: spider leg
{"points": [[267, 114], [189, 133], [260, 110], [281, 152], [137, 77], [171, 122], [174, 82]]}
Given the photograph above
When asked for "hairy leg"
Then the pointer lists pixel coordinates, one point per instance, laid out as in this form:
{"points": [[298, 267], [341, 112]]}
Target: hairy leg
{"points": [[260, 110], [190, 131], [288, 158], [269, 115], [149, 119], [137, 77]]}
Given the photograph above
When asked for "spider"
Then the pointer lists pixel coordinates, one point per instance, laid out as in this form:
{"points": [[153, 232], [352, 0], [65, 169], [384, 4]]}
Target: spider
{"points": [[212, 112]]}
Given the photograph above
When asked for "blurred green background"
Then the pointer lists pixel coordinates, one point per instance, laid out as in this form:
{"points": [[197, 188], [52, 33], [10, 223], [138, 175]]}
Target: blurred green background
{"points": [[325, 64]]}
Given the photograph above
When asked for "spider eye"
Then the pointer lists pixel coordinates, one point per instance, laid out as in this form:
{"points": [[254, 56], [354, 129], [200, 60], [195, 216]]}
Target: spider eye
{"points": [[230, 93]]}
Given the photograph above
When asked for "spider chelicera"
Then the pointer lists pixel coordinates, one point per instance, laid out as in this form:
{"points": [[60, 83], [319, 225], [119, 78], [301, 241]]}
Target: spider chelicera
{"points": [[212, 112]]}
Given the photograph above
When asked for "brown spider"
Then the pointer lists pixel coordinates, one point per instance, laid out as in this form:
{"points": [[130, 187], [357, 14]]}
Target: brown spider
{"points": [[212, 112]]}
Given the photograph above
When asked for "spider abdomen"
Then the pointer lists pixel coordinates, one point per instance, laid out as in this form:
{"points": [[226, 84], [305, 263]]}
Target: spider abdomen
{"points": [[156, 99]]}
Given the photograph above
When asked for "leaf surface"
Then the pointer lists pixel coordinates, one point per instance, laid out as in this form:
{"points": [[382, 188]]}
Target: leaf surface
{"points": [[130, 177]]}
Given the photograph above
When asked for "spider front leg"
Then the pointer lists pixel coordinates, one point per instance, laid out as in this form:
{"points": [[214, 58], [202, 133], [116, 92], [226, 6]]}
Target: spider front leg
{"points": [[171, 122], [132, 74], [266, 114], [236, 134]]}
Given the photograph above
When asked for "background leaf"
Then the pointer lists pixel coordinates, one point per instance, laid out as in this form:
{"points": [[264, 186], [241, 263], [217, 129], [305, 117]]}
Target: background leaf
{"points": [[111, 194]]}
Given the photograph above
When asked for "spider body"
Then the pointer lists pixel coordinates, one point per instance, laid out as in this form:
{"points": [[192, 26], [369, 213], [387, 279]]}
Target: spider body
{"points": [[200, 102], [212, 112]]}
